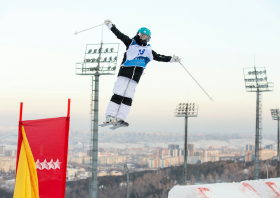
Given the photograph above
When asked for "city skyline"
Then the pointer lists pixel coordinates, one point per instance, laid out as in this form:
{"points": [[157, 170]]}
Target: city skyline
{"points": [[215, 45]]}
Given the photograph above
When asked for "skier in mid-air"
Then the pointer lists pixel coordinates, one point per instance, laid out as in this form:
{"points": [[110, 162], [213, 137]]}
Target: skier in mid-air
{"points": [[138, 54]]}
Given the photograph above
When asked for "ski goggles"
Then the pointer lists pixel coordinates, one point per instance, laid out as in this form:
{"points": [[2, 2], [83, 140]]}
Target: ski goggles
{"points": [[144, 37]]}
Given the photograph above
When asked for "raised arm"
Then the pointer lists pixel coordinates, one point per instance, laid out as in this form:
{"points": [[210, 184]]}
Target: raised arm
{"points": [[124, 38], [161, 58]]}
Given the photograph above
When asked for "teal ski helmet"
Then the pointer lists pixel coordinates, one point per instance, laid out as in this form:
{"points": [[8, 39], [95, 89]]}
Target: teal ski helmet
{"points": [[144, 34]]}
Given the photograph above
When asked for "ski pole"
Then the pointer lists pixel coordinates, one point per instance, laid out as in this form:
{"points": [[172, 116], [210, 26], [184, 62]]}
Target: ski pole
{"points": [[196, 82], [88, 29]]}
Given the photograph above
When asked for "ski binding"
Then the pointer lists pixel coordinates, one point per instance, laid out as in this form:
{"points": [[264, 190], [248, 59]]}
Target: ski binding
{"points": [[107, 124]]}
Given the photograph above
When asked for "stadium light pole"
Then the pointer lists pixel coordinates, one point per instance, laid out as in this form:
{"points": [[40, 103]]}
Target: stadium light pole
{"points": [[186, 110], [127, 180], [275, 113], [256, 81], [100, 59]]}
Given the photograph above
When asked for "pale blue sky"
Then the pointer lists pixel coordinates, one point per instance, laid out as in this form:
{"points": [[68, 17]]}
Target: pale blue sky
{"points": [[215, 39]]}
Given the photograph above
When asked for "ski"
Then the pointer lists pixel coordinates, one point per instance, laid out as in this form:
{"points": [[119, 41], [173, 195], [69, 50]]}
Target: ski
{"points": [[116, 126], [107, 124]]}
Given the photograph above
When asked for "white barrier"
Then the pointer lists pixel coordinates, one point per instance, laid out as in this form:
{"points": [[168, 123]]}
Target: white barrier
{"points": [[265, 188]]}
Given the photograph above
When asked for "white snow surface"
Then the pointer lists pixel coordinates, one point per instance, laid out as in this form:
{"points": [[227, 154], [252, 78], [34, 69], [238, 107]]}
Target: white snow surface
{"points": [[266, 188]]}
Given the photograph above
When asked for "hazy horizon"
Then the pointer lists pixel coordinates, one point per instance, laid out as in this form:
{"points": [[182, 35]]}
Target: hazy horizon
{"points": [[215, 41]]}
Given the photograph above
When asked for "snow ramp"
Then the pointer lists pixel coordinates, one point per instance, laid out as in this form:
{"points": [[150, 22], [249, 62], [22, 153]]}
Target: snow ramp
{"points": [[266, 188]]}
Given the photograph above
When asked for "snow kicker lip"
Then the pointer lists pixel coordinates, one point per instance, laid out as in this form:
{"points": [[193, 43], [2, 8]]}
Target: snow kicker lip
{"points": [[265, 188]]}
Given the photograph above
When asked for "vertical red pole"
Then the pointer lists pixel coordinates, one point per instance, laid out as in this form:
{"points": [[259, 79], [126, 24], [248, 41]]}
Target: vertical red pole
{"points": [[66, 148], [19, 133], [20, 112], [68, 111]]}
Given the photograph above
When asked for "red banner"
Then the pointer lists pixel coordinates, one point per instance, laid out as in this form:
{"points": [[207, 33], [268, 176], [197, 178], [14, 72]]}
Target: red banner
{"points": [[48, 140]]}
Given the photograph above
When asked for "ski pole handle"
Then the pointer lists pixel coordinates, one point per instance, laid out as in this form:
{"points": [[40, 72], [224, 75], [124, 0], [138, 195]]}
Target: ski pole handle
{"points": [[88, 29]]}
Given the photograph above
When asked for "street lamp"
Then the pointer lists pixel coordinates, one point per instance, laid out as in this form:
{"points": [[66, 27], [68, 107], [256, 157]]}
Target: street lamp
{"points": [[266, 170], [186, 110], [275, 113], [256, 81], [92, 66]]}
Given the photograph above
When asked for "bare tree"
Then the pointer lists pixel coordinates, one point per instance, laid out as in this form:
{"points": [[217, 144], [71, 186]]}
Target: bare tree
{"points": [[225, 175], [202, 178], [216, 176], [193, 180], [209, 178]]}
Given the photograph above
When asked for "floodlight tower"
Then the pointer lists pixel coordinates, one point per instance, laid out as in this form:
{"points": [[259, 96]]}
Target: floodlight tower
{"points": [[275, 113], [256, 81], [186, 110], [127, 180], [100, 59]]}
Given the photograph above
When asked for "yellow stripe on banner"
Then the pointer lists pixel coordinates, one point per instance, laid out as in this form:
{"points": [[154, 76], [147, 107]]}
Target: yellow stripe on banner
{"points": [[26, 179]]}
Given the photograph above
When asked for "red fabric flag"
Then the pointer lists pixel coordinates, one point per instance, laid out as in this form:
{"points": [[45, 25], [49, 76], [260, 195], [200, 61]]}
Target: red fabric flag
{"points": [[48, 140]]}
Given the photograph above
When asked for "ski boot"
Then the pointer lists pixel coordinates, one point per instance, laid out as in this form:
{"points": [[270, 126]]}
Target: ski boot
{"points": [[110, 120], [119, 123]]}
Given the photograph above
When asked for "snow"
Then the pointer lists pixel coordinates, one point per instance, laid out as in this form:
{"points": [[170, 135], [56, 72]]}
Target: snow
{"points": [[231, 143], [203, 144], [265, 188], [10, 136], [10, 184], [9, 147]]}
